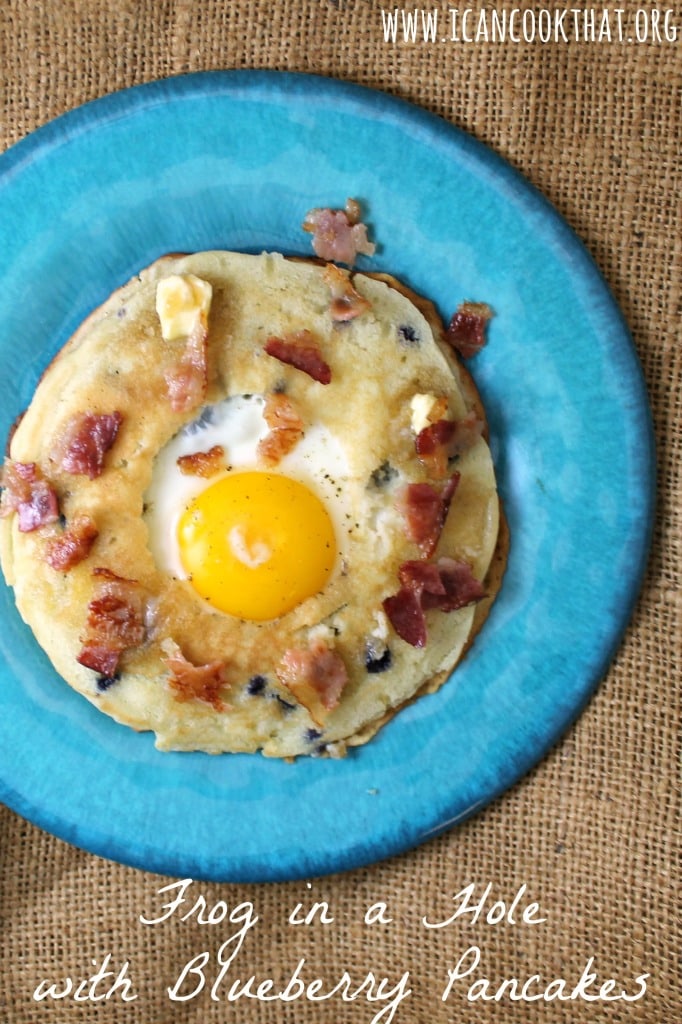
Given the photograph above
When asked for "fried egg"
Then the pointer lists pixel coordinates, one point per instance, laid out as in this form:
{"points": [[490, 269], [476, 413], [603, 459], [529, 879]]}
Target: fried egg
{"points": [[252, 543]]}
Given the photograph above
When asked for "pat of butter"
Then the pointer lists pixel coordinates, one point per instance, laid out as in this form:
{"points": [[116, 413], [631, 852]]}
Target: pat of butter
{"points": [[420, 407], [181, 301]]}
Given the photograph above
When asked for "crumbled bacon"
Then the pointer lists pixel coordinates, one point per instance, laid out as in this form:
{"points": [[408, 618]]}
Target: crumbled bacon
{"points": [[196, 682], [406, 615], [203, 464], [29, 494], [441, 441], [425, 510], [346, 302], [315, 676], [466, 331], [338, 234], [446, 584], [187, 380], [300, 350], [286, 428], [421, 577], [86, 439], [72, 545], [461, 587], [432, 446], [115, 622]]}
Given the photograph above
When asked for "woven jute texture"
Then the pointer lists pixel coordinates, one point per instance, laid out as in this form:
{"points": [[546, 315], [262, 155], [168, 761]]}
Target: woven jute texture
{"points": [[593, 833]]}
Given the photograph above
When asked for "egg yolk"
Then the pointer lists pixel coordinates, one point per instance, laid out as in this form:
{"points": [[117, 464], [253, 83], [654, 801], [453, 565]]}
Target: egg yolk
{"points": [[256, 544]]}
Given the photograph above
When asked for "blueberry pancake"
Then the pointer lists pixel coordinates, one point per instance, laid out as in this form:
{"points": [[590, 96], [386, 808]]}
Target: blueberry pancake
{"points": [[251, 506]]}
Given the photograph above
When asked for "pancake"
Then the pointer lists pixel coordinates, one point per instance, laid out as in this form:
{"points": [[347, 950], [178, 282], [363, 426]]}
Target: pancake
{"points": [[131, 623]]}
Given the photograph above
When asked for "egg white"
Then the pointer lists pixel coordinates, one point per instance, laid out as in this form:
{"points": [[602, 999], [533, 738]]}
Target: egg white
{"points": [[237, 425]]}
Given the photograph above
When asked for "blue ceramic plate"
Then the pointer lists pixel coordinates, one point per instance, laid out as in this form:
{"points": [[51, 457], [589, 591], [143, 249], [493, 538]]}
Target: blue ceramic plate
{"points": [[234, 160]]}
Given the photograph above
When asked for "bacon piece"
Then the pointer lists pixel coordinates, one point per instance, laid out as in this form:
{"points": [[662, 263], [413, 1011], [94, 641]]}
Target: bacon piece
{"points": [[425, 510], [346, 302], [315, 676], [187, 380], [421, 577], [28, 493], [115, 622], [338, 234], [286, 428], [203, 464], [432, 446], [100, 658], [300, 351], [73, 545], [460, 585], [85, 441], [196, 682], [466, 331], [446, 584], [406, 615], [441, 441]]}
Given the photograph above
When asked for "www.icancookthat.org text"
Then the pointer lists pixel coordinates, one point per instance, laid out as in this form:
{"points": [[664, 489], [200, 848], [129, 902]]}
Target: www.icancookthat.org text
{"points": [[529, 25]]}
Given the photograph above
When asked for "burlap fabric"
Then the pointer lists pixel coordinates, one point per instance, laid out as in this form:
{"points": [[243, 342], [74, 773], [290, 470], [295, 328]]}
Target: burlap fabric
{"points": [[593, 833]]}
